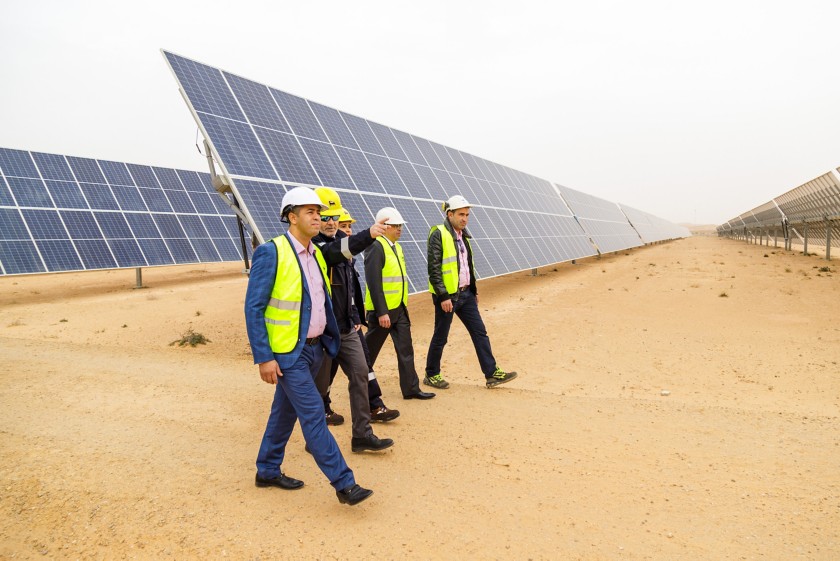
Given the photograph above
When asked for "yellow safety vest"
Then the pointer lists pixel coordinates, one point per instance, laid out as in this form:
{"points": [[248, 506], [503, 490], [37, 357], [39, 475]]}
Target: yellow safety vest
{"points": [[394, 283], [282, 315], [449, 259]]}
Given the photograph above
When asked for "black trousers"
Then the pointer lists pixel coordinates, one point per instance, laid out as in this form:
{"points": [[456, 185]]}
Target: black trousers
{"points": [[374, 391], [400, 332], [465, 306], [351, 357]]}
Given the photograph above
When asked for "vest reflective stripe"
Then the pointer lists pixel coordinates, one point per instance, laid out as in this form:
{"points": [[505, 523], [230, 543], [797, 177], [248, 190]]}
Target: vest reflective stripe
{"points": [[282, 315], [394, 283], [449, 263], [274, 303]]}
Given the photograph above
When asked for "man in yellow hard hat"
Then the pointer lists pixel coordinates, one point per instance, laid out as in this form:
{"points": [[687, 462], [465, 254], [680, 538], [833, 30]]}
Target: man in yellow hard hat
{"points": [[351, 356]]}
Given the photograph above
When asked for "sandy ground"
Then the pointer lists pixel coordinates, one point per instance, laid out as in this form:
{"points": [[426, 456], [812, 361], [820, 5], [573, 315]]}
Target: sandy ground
{"points": [[116, 445]]}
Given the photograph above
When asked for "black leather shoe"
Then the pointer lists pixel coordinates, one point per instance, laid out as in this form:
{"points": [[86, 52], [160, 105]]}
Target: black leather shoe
{"points": [[419, 395], [353, 495], [284, 482], [372, 442]]}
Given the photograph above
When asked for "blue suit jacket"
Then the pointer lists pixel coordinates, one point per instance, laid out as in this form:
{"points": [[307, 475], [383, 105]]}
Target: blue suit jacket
{"points": [[260, 283]]}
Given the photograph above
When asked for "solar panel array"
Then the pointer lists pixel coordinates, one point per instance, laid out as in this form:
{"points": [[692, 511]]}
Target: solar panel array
{"points": [[65, 213], [606, 224], [812, 202], [652, 228], [267, 141]]}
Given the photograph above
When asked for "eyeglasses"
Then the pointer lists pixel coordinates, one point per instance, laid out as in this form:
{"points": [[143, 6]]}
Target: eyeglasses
{"points": [[397, 226], [328, 218]]}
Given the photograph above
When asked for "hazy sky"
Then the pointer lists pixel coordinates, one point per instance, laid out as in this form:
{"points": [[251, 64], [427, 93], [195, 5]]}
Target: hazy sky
{"points": [[694, 112]]}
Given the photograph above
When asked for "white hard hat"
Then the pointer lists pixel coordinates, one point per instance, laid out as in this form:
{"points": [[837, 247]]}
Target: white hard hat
{"points": [[455, 202], [297, 197], [393, 215]]}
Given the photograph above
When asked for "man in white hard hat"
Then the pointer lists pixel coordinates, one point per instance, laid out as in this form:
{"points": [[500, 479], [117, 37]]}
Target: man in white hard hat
{"points": [[386, 296], [454, 292], [290, 322]]}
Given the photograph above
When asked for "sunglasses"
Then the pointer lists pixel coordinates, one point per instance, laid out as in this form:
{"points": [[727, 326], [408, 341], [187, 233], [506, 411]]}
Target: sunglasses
{"points": [[328, 218]]}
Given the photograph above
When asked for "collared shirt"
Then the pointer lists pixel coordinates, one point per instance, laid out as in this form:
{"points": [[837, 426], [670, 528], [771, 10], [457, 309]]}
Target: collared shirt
{"points": [[312, 272], [463, 259]]}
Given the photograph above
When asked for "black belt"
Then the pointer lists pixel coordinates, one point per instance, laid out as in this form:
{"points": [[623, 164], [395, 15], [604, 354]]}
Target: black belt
{"points": [[313, 340], [463, 288]]}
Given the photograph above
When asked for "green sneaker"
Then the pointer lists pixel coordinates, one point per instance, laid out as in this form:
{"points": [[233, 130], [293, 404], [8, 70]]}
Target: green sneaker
{"points": [[500, 377], [436, 381]]}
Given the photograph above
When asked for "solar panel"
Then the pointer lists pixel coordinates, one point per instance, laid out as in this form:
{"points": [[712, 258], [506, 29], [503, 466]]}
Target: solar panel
{"points": [[603, 219], [65, 213], [651, 228], [266, 141]]}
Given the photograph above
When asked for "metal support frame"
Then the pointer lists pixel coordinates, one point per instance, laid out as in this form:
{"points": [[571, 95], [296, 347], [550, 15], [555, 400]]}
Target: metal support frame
{"points": [[805, 237], [222, 187], [827, 239], [139, 278]]}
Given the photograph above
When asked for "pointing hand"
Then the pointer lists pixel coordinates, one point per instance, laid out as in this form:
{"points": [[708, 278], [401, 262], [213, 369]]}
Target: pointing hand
{"points": [[379, 228]]}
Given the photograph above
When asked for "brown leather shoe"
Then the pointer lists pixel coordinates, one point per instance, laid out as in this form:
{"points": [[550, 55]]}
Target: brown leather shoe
{"points": [[383, 414], [334, 418]]}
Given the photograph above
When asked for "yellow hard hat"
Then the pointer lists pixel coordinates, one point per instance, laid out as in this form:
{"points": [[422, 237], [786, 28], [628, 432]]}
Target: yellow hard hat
{"points": [[345, 217], [331, 200]]}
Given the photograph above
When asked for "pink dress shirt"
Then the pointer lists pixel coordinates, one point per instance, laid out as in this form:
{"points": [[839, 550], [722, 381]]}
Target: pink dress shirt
{"points": [[463, 259], [318, 318]]}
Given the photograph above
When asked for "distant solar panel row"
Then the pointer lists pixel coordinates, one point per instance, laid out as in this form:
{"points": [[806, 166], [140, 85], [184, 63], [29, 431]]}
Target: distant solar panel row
{"points": [[267, 140], [604, 221], [64, 213], [815, 200], [652, 228]]}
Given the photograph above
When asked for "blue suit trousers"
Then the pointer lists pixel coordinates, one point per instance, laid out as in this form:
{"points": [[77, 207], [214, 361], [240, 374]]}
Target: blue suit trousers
{"points": [[295, 397]]}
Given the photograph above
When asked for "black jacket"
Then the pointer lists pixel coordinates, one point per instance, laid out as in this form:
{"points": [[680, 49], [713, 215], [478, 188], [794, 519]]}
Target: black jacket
{"points": [[342, 277], [435, 257]]}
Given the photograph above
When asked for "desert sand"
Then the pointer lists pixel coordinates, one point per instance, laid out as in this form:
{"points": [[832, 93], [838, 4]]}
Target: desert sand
{"points": [[676, 401]]}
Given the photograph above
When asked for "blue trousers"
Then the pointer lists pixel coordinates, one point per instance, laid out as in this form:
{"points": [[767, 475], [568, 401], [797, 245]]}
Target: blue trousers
{"points": [[465, 306], [295, 397]]}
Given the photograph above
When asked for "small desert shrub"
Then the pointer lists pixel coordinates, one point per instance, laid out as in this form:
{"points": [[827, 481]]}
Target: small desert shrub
{"points": [[190, 338], [825, 269], [723, 294]]}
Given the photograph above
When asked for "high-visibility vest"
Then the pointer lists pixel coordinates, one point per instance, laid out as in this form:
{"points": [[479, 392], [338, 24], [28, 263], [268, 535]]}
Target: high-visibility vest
{"points": [[449, 259], [394, 282], [282, 315]]}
